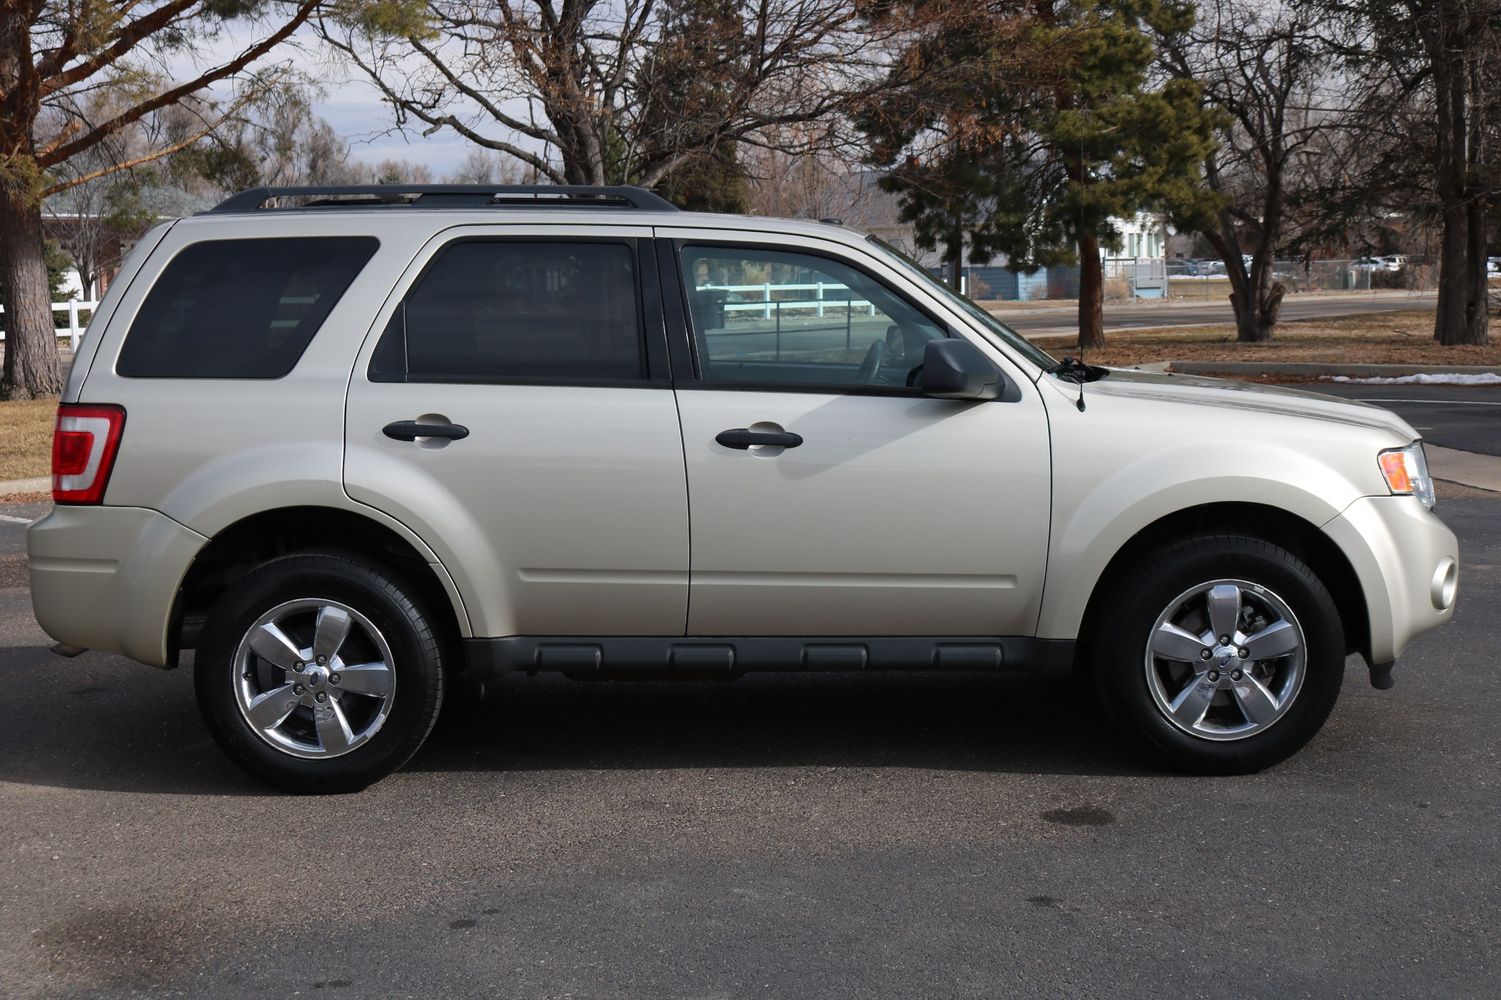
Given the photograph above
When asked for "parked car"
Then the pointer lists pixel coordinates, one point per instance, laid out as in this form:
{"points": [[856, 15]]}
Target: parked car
{"points": [[366, 452]]}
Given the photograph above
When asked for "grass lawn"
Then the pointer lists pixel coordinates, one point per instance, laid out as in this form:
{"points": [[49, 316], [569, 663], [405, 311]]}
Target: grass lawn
{"points": [[1382, 338], [26, 438]]}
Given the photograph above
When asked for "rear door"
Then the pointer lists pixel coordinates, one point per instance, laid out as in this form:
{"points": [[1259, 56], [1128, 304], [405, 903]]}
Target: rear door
{"points": [[514, 409]]}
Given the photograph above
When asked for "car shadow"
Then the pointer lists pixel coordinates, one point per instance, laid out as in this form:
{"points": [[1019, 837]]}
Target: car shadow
{"points": [[101, 722], [961, 721]]}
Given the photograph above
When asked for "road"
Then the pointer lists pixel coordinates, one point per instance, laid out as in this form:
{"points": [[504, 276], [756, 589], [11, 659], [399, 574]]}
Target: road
{"points": [[832, 837], [1049, 320], [1463, 417]]}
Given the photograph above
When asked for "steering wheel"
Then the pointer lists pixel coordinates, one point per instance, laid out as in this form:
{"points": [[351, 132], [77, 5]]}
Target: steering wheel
{"points": [[871, 366]]}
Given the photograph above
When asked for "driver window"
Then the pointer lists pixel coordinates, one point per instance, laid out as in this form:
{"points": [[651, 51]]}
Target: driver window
{"points": [[774, 317]]}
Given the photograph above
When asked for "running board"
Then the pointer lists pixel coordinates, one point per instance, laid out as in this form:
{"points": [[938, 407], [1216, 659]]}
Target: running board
{"points": [[651, 657]]}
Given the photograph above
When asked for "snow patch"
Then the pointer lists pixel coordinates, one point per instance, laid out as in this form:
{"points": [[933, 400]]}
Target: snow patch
{"points": [[1440, 378]]}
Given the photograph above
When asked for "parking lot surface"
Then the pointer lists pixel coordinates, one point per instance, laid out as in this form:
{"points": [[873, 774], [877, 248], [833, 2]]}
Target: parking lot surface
{"points": [[1453, 416], [834, 836]]}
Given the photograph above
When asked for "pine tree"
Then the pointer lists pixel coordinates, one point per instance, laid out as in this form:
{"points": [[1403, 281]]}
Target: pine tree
{"points": [[1028, 129]]}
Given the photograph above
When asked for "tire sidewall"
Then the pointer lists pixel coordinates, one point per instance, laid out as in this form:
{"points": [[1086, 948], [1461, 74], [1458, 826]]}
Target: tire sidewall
{"points": [[1120, 669], [376, 595]]}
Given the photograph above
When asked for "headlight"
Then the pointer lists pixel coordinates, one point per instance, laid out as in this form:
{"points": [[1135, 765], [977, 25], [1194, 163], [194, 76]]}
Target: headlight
{"points": [[1406, 471]]}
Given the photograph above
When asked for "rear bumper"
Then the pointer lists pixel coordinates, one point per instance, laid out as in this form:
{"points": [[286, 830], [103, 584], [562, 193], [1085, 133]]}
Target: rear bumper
{"points": [[106, 577], [1407, 561]]}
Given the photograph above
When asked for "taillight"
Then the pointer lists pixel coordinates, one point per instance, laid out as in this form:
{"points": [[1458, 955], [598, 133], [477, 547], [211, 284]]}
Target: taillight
{"points": [[83, 451]]}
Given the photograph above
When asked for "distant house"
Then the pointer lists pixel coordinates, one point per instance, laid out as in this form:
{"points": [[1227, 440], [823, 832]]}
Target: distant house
{"points": [[1139, 263]]}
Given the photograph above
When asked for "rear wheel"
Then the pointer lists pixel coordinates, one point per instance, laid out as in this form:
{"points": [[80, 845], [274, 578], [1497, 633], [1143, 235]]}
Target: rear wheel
{"points": [[1222, 655], [319, 673]]}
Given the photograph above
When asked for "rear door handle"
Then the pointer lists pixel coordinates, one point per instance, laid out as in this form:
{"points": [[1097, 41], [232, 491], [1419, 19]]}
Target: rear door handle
{"points": [[411, 430], [743, 438]]}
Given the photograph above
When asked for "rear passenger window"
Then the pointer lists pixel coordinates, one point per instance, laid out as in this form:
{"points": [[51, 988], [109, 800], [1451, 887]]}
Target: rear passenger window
{"points": [[500, 311], [240, 308]]}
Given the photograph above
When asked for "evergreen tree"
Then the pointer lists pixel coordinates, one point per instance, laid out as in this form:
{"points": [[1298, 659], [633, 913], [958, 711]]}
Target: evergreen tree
{"points": [[1028, 129]]}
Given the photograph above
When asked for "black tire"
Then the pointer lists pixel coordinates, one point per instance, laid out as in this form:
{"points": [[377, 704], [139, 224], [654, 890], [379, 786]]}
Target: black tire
{"points": [[389, 604], [1131, 609]]}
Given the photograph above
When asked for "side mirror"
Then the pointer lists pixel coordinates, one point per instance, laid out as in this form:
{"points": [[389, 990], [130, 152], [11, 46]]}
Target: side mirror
{"points": [[956, 369]]}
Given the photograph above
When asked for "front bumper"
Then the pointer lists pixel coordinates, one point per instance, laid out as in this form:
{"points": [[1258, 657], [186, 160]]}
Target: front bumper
{"points": [[1407, 561], [106, 577]]}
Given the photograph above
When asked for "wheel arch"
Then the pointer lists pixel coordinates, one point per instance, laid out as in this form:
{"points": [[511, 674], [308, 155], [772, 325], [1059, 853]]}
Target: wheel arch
{"points": [[1300, 537], [246, 543]]}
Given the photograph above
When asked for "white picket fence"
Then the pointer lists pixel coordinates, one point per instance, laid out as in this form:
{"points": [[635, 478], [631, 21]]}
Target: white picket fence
{"points": [[768, 306], [74, 330]]}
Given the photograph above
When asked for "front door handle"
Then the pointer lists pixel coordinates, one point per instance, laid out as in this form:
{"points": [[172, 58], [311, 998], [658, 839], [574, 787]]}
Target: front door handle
{"points": [[411, 430], [743, 438]]}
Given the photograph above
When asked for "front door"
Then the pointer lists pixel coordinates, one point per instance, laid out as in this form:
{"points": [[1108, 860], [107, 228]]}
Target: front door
{"points": [[515, 412], [871, 509]]}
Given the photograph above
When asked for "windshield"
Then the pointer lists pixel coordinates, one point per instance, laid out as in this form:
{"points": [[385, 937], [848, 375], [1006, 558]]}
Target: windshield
{"points": [[989, 325]]}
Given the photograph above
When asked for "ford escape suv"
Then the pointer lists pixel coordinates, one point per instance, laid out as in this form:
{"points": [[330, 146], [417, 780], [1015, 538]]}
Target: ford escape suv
{"points": [[359, 448]]}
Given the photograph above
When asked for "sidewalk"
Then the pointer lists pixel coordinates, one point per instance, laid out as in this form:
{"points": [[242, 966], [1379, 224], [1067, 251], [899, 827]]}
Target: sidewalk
{"points": [[1467, 468]]}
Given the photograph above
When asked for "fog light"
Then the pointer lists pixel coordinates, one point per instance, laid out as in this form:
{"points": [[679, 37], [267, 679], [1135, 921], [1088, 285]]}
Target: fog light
{"points": [[1445, 584]]}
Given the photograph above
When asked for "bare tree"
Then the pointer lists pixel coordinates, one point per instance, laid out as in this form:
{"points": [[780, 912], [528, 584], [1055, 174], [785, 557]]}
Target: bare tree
{"points": [[812, 183], [574, 89], [1267, 68], [55, 57], [481, 166], [1426, 110]]}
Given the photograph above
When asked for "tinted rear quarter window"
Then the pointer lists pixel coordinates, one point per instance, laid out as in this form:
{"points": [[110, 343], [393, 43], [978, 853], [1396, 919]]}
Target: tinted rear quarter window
{"points": [[240, 309], [510, 310]]}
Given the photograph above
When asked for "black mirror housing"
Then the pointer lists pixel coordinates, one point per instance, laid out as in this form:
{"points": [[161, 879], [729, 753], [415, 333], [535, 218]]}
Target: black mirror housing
{"points": [[957, 369]]}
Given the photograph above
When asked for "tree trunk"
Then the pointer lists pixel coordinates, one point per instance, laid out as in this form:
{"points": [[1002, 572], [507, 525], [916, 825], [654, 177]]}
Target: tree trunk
{"points": [[1477, 306], [1450, 323], [1091, 293], [1454, 320], [31, 367]]}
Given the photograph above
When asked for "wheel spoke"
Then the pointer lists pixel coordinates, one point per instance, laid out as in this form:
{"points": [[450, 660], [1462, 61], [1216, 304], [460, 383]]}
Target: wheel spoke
{"points": [[1193, 701], [1224, 609], [1277, 639], [365, 678], [333, 729], [1174, 643], [330, 633], [271, 643], [1254, 700], [269, 710]]}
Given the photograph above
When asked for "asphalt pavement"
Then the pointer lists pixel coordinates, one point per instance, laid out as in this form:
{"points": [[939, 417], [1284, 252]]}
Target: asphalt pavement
{"points": [[838, 836], [1045, 321], [1452, 416]]}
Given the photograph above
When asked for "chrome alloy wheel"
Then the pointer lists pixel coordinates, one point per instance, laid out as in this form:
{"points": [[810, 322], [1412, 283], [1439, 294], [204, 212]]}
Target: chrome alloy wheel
{"points": [[1226, 659], [314, 678]]}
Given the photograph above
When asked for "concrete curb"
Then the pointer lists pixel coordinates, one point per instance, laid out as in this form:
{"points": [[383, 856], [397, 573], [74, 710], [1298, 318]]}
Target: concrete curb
{"points": [[1306, 369]]}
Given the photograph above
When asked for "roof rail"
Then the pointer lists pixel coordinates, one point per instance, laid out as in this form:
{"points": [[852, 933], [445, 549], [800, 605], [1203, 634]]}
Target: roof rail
{"points": [[453, 196]]}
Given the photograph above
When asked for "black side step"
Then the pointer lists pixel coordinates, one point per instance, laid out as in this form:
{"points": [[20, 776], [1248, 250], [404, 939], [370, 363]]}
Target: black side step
{"points": [[668, 656]]}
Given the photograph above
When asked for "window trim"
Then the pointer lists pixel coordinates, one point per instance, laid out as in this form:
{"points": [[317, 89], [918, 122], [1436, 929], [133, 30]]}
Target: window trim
{"points": [[160, 272], [685, 340], [651, 330]]}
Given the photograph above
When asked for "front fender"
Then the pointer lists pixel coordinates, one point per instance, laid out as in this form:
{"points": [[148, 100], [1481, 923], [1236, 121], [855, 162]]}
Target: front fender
{"points": [[1094, 519]]}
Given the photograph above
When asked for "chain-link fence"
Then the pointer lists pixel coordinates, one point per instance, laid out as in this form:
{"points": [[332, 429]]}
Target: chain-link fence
{"points": [[1193, 278]]}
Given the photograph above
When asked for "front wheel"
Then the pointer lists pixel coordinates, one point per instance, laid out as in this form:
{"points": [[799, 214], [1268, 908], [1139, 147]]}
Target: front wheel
{"points": [[1224, 654], [319, 673]]}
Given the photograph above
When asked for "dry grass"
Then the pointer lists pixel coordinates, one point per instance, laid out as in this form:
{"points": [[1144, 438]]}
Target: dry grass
{"points": [[26, 438], [1381, 338]]}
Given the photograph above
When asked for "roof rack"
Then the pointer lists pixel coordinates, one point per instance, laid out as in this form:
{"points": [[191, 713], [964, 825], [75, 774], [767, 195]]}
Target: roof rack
{"points": [[453, 196]]}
